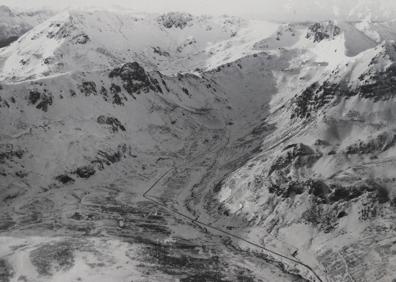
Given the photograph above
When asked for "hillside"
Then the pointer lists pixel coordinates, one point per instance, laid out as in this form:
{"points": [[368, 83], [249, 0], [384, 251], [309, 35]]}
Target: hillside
{"points": [[178, 147]]}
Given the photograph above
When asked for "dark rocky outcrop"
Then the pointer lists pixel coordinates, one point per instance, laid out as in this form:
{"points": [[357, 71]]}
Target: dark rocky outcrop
{"points": [[85, 171], [379, 144], [299, 155], [45, 99], [314, 187], [185, 90], [115, 124], [175, 20], [110, 157], [88, 88], [378, 85], [348, 193], [11, 154], [81, 39], [316, 96], [159, 51], [321, 31], [135, 79], [330, 193], [65, 179], [374, 84], [60, 31], [34, 96]]}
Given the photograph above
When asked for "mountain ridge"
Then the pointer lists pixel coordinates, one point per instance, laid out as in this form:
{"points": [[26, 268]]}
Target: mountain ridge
{"points": [[292, 125]]}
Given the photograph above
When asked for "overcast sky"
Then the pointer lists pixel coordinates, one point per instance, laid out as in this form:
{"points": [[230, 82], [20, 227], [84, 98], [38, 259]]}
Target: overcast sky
{"points": [[282, 10]]}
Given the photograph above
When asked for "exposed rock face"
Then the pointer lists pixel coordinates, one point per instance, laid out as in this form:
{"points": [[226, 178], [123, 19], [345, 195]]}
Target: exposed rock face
{"points": [[81, 39], [65, 179], [297, 155], [88, 88], [115, 124], [61, 30], [135, 79], [175, 20], [321, 31], [45, 99], [83, 152], [376, 145], [375, 84], [85, 171]]}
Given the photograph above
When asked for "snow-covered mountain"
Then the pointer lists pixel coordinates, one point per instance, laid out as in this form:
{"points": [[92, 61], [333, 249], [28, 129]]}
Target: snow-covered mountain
{"points": [[170, 43], [177, 147], [13, 24]]}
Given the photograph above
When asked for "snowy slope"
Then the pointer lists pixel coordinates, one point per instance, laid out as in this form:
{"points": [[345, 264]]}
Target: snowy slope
{"points": [[13, 24], [282, 134], [331, 161], [78, 40]]}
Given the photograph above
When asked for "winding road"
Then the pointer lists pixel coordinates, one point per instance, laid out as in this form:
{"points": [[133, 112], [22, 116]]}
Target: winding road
{"points": [[312, 275]]}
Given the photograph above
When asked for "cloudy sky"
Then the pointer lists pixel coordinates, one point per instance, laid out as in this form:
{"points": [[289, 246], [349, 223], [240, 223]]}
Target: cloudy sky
{"points": [[280, 10]]}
